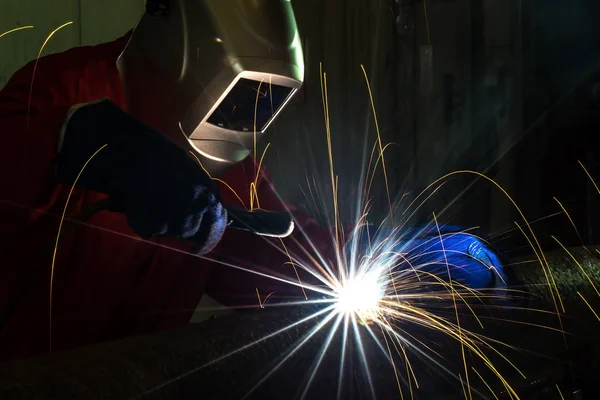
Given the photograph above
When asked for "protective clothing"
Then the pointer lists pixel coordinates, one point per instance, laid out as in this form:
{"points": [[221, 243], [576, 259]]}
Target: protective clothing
{"points": [[107, 283], [431, 254], [217, 70], [161, 189]]}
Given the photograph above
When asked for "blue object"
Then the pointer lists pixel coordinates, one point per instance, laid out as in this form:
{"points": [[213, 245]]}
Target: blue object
{"points": [[449, 252], [158, 185]]}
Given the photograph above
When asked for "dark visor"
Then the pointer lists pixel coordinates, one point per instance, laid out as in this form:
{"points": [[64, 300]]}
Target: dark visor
{"points": [[245, 101]]}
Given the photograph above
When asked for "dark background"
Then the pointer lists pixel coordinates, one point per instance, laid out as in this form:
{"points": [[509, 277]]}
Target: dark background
{"points": [[509, 91]]}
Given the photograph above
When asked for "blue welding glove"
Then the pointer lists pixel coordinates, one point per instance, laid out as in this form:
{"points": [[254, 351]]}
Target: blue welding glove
{"points": [[465, 257], [154, 182]]}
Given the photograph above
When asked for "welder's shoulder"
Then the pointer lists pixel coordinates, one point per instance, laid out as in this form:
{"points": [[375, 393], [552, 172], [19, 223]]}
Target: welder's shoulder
{"points": [[72, 76]]}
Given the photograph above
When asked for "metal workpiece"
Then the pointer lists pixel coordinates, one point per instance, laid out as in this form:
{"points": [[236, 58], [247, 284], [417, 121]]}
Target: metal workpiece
{"points": [[179, 364], [212, 360], [255, 354]]}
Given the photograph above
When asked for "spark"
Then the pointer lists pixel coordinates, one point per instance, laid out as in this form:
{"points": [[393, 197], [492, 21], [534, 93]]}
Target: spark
{"points": [[560, 393], [546, 272], [216, 179], [425, 11], [485, 383], [260, 304], [294, 350], [497, 236], [254, 198], [294, 267], [255, 137], [325, 100], [36, 64], [572, 222], [590, 177], [381, 147], [15, 30], [225, 356], [58, 241], [543, 261], [589, 306], [462, 347]]}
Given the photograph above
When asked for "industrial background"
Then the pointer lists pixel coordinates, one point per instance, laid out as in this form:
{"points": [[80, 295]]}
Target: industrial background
{"points": [[456, 85]]}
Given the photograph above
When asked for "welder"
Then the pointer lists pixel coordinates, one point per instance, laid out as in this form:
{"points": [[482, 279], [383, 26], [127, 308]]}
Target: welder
{"points": [[148, 121]]}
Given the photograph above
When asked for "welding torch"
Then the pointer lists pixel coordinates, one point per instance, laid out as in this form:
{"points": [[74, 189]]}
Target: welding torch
{"points": [[259, 222]]}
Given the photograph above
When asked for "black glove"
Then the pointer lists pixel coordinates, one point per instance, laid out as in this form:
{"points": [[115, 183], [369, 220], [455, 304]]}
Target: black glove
{"points": [[161, 189]]}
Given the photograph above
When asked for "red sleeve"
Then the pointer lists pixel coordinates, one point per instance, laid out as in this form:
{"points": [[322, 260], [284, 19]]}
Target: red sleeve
{"points": [[33, 107], [309, 246], [30, 122]]}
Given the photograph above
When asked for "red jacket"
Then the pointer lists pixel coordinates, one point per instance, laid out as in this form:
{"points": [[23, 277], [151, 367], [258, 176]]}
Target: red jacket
{"points": [[106, 285]]}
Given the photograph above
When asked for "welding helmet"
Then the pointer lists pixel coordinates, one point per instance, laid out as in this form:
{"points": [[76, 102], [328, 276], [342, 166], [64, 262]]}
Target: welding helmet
{"points": [[214, 74]]}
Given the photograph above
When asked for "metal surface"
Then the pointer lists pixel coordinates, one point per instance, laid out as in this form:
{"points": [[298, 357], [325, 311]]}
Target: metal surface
{"points": [[191, 362], [148, 365]]}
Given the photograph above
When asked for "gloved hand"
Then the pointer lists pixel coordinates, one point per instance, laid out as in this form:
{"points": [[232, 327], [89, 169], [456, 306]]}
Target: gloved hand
{"points": [[469, 259], [161, 189]]}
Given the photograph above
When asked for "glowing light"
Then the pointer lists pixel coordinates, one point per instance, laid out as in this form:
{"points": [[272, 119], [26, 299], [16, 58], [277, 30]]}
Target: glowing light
{"points": [[361, 296]]}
